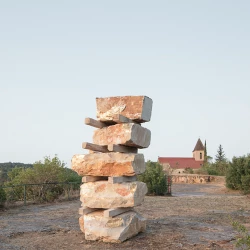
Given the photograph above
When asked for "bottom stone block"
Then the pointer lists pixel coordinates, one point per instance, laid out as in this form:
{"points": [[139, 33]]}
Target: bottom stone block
{"points": [[113, 229]]}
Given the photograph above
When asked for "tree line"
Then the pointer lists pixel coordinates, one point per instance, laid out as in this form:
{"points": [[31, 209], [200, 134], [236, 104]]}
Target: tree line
{"points": [[8, 166]]}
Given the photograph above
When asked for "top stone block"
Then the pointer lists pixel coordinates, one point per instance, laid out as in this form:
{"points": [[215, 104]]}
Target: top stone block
{"points": [[136, 108]]}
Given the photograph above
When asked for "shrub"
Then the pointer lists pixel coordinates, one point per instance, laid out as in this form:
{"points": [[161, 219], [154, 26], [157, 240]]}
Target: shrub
{"points": [[189, 170], [47, 171], [2, 196], [155, 178], [202, 171], [238, 174], [212, 171], [218, 168], [243, 239]]}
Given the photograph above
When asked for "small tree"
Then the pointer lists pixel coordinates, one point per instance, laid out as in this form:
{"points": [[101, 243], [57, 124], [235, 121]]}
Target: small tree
{"points": [[221, 164], [205, 152], [220, 157], [155, 178]]}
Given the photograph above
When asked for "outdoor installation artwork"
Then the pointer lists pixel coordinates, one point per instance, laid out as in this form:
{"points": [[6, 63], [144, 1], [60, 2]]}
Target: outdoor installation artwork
{"points": [[110, 189]]}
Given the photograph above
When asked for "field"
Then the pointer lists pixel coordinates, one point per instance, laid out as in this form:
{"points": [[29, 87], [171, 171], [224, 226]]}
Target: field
{"points": [[196, 217]]}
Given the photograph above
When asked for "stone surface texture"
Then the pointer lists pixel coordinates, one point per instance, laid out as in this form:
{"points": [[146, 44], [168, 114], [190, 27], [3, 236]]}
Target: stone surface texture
{"points": [[137, 108], [102, 194], [81, 223], [120, 179], [86, 210], [129, 134], [116, 229], [108, 164]]}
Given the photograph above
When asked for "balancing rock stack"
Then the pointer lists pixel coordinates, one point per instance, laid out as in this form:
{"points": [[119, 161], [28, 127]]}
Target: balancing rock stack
{"points": [[110, 189]]}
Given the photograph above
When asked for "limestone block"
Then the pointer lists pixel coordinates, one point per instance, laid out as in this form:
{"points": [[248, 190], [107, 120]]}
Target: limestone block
{"points": [[116, 229], [108, 164], [129, 134], [137, 108], [103, 194], [81, 223]]}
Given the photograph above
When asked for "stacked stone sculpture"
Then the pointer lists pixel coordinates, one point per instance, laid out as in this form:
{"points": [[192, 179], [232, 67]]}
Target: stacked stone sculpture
{"points": [[110, 189]]}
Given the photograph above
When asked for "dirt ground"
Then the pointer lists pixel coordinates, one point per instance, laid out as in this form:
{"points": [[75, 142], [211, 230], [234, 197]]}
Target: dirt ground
{"points": [[197, 216]]}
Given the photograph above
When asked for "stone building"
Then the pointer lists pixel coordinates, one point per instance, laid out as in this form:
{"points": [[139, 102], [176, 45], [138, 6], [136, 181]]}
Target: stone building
{"points": [[194, 162]]}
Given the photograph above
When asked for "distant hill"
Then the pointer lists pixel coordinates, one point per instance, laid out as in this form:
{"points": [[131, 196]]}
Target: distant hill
{"points": [[8, 166]]}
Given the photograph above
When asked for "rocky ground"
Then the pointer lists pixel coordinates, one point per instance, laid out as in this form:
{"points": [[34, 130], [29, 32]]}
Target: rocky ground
{"points": [[197, 216]]}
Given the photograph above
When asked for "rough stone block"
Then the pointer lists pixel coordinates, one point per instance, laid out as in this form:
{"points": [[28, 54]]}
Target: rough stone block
{"points": [[137, 108], [116, 229], [81, 223], [108, 164], [129, 134], [103, 194]]}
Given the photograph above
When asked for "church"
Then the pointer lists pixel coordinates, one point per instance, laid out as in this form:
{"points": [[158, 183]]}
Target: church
{"points": [[194, 162]]}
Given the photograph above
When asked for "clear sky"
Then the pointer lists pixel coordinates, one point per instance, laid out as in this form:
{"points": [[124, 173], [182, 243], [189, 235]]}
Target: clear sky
{"points": [[191, 57]]}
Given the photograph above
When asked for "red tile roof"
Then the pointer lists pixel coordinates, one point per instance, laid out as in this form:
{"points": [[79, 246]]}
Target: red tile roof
{"points": [[180, 162]]}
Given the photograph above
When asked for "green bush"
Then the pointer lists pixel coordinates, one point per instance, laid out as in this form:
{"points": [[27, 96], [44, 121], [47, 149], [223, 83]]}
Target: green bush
{"points": [[189, 170], [155, 178], [217, 168], [202, 171], [2, 196], [46, 171], [238, 174], [245, 180], [212, 171]]}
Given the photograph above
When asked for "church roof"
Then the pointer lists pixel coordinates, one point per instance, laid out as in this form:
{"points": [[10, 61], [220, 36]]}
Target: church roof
{"points": [[181, 162], [199, 146]]}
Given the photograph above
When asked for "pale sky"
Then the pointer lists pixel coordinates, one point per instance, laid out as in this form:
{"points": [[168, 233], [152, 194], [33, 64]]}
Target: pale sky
{"points": [[191, 57]]}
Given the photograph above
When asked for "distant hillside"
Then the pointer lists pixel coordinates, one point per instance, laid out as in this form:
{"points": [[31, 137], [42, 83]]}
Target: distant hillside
{"points": [[7, 166]]}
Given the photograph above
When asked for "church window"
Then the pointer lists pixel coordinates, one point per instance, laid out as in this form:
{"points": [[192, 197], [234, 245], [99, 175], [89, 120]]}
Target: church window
{"points": [[200, 155]]}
